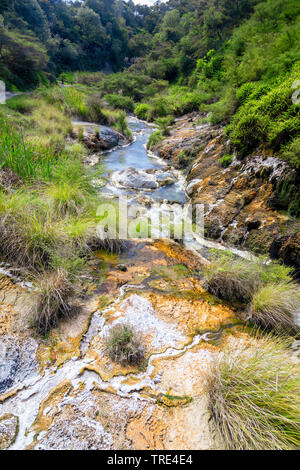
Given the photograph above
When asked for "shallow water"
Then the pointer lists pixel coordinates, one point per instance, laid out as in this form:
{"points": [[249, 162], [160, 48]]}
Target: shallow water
{"points": [[136, 156]]}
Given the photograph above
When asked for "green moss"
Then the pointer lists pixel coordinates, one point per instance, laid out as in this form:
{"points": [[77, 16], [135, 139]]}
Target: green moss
{"points": [[225, 161], [173, 400], [172, 273]]}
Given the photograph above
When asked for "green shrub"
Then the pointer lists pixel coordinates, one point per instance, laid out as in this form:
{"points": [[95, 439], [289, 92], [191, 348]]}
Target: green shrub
{"points": [[124, 345], [154, 139], [222, 110], [142, 111], [163, 124], [247, 131], [225, 161], [30, 160], [254, 396], [159, 108], [120, 102]]}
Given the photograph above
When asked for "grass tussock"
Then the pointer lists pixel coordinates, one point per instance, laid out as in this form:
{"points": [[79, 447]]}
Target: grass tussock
{"points": [[231, 279], [275, 306], [55, 293], [254, 396], [124, 345], [265, 290]]}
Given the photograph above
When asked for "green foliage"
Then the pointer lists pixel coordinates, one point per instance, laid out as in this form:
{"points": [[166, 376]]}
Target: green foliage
{"points": [[231, 279], [292, 153], [154, 139], [120, 102], [28, 160], [163, 124], [22, 104], [142, 111], [275, 306], [55, 292], [254, 396], [225, 161]]}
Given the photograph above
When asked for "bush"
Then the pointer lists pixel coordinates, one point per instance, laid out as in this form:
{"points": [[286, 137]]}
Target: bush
{"points": [[120, 102], [164, 123], [254, 396], [22, 104], [154, 139], [142, 111], [225, 161], [95, 110], [123, 345], [276, 306]]}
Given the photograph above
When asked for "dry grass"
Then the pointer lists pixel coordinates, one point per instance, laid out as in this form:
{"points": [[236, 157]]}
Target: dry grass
{"points": [[54, 294], [254, 396], [232, 279], [124, 345]]}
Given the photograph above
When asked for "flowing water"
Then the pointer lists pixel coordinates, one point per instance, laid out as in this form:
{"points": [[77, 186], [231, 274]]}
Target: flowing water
{"points": [[167, 340], [137, 157]]}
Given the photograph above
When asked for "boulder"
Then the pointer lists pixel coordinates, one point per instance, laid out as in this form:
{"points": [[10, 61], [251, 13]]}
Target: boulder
{"points": [[98, 138], [143, 179], [17, 361]]}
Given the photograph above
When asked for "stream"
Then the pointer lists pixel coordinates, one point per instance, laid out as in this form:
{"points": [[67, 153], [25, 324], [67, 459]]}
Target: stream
{"points": [[167, 340], [135, 156]]}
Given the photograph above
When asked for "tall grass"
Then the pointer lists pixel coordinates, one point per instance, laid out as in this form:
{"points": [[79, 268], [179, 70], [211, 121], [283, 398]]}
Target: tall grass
{"points": [[231, 279], [28, 160], [55, 292], [254, 396], [276, 306], [265, 290]]}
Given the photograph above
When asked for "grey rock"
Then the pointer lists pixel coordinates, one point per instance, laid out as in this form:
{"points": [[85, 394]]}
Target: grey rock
{"points": [[9, 425], [17, 361]]}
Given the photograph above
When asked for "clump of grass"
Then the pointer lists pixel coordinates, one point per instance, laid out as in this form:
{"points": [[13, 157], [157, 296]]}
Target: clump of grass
{"points": [[124, 345], [254, 396], [54, 291], [28, 230], [266, 289], [275, 306], [234, 280]]}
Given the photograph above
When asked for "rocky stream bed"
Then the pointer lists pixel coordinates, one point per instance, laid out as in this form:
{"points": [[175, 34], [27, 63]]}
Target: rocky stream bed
{"points": [[63, 392]]}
